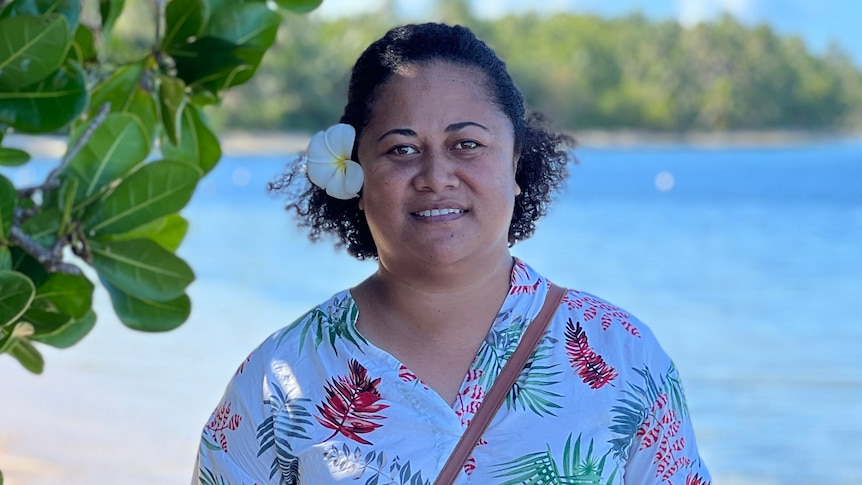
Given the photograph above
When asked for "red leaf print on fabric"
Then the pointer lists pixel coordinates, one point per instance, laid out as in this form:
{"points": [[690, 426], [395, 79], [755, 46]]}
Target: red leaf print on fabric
{"points": [[222, 420], [677, 465], [469, 466], [518, 284], [630, 328], [593, 306], [470, 396], [659, 430], [591, 367], [695, 480], [606, 321], [241, 367], [571, 303], [351, 404], [407, 375]]}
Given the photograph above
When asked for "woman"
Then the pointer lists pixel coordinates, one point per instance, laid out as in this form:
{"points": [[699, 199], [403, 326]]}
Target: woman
{"points": [[378, 383]]}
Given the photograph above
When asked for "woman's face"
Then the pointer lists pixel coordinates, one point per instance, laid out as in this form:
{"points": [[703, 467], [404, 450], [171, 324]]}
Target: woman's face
{"points": [[439, 166]]}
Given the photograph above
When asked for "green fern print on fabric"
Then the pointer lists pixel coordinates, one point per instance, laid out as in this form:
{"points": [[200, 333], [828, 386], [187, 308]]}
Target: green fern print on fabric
{"points": [[540, 467]]}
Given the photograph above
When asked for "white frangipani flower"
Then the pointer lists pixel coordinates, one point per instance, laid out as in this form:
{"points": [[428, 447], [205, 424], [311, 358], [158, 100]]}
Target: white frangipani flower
{"points": [[328, 162]]}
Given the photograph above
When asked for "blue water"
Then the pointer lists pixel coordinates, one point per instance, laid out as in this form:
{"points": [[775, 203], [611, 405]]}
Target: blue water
{"points": [[748, 267]]}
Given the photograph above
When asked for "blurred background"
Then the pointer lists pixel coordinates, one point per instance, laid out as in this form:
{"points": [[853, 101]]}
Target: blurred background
{"points": [[717, 196]]}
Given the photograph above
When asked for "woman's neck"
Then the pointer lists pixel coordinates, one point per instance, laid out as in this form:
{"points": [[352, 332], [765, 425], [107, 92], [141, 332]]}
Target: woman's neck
{"points": [[435, 300], [434, 321]]}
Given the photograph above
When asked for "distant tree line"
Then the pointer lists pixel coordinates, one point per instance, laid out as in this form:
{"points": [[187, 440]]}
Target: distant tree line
{"points": [[581, 71]]}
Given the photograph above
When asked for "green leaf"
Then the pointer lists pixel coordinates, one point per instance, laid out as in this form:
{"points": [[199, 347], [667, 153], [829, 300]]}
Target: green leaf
{"points": [[198, 144], [71, 333], [43, 319], [172, 96], [208, 63], [26, 264], [184, 19], [142, 268], [167, 231], [155, 190], [110, 10], [71, 9], [16, 293], [43, 227], [5, 258], [8, 198], [13, 157], [84, 45], [230, 48], [46, 105], [117, 146], [243, 23], [32, 47], [149, 315], [204, 98], [128, 90], [252, 25], [65, 293], [27, 355], [299, 6]]}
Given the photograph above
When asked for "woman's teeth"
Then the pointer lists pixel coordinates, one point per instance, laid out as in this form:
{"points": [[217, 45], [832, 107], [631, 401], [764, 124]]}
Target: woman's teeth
{"points": [[438, 212]]}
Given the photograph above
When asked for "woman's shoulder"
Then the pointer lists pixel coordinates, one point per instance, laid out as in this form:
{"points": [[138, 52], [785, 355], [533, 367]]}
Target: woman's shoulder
{"points": [[606, 328], [600, 313], [325, 322]]}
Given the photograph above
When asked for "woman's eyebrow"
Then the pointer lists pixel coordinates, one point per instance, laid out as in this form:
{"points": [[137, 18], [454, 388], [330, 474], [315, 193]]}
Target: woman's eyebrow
{"points": [[449, 129], [462, 125], [398, 131]]}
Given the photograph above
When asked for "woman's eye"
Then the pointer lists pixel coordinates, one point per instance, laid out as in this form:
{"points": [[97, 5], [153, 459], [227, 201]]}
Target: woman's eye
{"points": [[466, 145], [403, 150]]}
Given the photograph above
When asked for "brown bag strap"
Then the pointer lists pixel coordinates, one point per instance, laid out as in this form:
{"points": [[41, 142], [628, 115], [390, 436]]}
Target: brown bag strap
{"points": [[494, 399]]}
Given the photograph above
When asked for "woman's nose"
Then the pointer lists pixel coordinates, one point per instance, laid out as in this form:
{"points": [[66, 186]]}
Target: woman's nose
{"points": [[437, 172]]}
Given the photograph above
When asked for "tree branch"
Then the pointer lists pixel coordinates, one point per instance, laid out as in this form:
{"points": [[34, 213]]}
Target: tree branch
{"points": [[160, 8], [53, 178], [52, 181], [47, 257]]}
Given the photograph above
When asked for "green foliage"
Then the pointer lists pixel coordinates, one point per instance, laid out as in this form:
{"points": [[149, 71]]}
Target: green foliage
{"points": [[582, 72], [34, 47], [48, 104], [109, 201]]}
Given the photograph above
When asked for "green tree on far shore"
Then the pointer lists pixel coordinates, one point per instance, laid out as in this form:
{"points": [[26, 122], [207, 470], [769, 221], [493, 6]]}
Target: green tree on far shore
{"points": [[583, 72]]}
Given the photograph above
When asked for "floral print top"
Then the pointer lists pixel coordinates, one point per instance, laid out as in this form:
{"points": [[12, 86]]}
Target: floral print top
{"points": [[599, 402]]}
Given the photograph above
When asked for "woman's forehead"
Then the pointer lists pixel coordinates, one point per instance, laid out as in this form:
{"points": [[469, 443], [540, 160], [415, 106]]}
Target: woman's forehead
{"points": [[432, 73], [435, 82]]}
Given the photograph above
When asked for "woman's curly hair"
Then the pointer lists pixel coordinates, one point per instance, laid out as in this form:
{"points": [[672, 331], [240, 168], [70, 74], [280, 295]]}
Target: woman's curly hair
{"points": [[544, 155]]}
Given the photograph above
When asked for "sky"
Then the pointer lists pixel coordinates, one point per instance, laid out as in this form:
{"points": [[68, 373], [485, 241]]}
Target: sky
{"points": [[817, 22]]}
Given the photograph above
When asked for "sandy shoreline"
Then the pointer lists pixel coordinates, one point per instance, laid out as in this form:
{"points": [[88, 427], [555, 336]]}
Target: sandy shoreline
{"points": [[244, 143]]}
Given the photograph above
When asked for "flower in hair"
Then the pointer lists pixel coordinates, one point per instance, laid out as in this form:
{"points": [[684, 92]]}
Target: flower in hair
{"points": [[328, 162]]}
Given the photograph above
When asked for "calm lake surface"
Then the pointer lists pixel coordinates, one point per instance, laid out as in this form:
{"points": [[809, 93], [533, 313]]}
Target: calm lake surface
{"points": [[745, 262]]}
